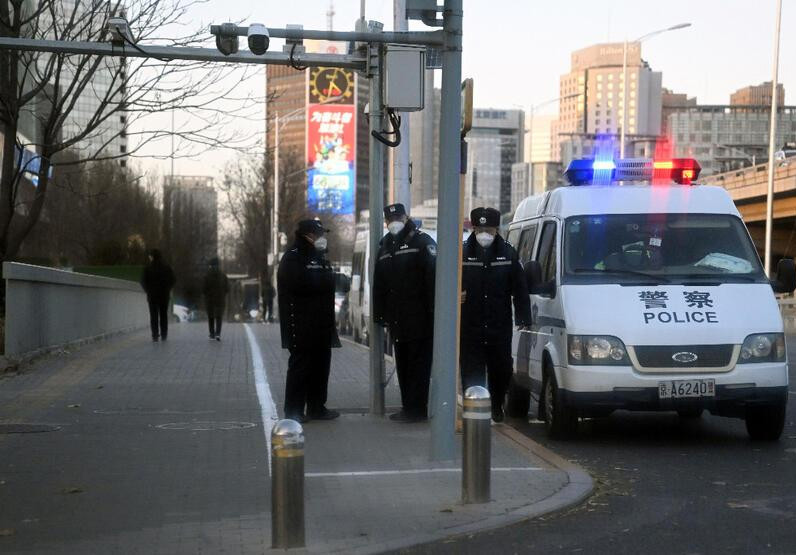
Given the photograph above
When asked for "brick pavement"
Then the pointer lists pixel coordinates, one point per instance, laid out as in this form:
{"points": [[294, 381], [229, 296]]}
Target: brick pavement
{"points": [[141, 482]]}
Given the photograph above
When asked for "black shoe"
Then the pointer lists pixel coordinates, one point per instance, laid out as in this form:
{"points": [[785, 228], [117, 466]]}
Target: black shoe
{"points": [[163, 338], [325, 414], [155, 338], [218, 338], [497, 414], [211, 337], [300, 418]]}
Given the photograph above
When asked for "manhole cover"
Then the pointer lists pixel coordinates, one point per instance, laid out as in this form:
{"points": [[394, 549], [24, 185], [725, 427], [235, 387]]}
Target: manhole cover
{"points": [[206, 426], [27, 428]]}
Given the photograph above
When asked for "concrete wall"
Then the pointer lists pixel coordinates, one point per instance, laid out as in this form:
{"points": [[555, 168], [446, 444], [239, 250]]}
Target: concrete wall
{"points": [[47, 308]]}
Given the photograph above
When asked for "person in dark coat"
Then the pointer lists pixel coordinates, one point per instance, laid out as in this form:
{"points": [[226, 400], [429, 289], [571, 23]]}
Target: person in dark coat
{"points": [[269, 293], [492, 278], [157, 280], [305, 284], [215, 289], [403, 300]]}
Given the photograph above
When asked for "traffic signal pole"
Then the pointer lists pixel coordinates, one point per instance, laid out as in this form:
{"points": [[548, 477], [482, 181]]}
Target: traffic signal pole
{"points": [[446, 298]]}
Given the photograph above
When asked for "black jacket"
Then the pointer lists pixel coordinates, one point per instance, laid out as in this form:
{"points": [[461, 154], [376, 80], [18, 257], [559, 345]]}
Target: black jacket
{"points": [[491, 278], [215, 287], [157, 279], [403, 284], [305, 285]]}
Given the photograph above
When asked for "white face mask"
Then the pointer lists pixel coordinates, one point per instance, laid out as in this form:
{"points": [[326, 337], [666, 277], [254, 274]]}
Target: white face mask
{"points": [[485, 239], [320, 244], [395, 227]]}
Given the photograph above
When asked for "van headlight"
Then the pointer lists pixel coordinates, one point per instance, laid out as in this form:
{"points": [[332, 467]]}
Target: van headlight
{"points": [[602, 350], [763, 347]]}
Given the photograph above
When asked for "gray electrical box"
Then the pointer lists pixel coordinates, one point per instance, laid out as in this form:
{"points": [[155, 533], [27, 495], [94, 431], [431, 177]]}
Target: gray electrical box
{"points": [[404, 71]]}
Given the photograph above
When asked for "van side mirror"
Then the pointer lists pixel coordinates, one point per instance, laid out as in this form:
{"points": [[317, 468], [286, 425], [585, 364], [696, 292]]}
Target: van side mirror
{"points": [[533, 277], [786, 277]]}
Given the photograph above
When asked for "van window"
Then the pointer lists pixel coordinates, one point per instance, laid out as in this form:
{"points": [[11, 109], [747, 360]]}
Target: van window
{"points": [[526, 243], [513, 237], [547, 251]]}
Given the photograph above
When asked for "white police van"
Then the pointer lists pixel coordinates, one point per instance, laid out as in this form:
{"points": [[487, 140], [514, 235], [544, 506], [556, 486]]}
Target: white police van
{"points": [[646, 297]]}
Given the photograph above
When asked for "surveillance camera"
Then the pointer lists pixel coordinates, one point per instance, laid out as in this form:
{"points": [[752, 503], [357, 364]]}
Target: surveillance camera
{"points": [[119, 30], [227, 39], [258, 38]]}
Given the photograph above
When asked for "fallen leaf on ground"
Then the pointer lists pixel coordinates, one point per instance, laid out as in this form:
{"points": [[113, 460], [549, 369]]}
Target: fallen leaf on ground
{"points": [[75, 406], [7, 532], [446, 510], [732, 505]]}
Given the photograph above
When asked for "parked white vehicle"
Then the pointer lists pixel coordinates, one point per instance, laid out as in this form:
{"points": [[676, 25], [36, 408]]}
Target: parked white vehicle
{"points": [[646, 297]]}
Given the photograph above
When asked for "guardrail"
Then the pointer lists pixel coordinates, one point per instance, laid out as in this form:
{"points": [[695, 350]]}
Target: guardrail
{"points": [[48, 308]]}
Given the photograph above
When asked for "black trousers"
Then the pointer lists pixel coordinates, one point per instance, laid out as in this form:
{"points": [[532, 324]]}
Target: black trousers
{"points": [[159, 314], [479, 361], [413, 366], [270, 308], [307, 380], [215, 315]]}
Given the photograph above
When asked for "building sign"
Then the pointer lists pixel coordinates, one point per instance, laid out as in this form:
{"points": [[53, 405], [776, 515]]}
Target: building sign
{"points": [[331, 141], [331, 156]]}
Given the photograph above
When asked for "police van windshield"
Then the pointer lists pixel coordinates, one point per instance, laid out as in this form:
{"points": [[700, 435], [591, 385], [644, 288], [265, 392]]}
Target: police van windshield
{"points": [[659, 248]]}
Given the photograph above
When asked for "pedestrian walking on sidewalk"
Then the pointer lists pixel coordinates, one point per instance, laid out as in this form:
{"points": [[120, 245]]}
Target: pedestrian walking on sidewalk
{"points": [[157, 279], [492, 278], [215, 289], [403, 300], [305, 284]]}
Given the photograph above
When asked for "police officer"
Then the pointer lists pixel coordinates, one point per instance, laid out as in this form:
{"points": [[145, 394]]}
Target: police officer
{"points": [[491, 278], [305, 285], [403, 300]]}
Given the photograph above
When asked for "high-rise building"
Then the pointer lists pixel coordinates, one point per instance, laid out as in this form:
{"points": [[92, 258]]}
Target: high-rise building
{"points": [[672, 102], [757, 95], [723, 138], [495, 143], [424, 145], [320, 144], [539, 144], [532, 179], [593, 96]]}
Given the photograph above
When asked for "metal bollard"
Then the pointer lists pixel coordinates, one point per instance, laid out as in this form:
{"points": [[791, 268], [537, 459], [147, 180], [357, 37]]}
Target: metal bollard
{"points": [[287, 485], [477, 445]]}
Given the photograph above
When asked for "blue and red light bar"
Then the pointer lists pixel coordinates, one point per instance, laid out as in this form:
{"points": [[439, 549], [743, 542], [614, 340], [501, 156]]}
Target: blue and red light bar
{"points": [[587, 171]]}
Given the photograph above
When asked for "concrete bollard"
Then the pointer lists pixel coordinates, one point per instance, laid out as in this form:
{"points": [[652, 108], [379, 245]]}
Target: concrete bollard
{"points": [[287, 485], [477, 445]]}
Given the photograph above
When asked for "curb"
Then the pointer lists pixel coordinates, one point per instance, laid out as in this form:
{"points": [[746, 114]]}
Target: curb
{"points": [[579, 486]]}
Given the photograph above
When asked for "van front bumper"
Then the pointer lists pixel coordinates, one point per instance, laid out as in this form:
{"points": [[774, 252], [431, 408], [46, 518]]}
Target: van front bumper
{"points": [[601, 389]]}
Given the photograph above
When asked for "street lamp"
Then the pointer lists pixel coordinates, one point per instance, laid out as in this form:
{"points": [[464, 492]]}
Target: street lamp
{"points": [[277, 126], [624, 78], [772, 137]]}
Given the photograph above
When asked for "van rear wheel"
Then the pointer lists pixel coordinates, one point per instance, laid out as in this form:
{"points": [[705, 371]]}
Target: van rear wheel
{"points": [[519, 400], [765, 423], [560, 420]]}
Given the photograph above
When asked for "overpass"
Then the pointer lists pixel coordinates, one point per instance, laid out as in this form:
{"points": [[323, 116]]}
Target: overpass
{"points": [[748, 187]]}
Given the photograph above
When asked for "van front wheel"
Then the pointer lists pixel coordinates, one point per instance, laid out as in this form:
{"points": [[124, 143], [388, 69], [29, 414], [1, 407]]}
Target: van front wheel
{"points": [[560, 421], [519, 400], [765, 423]]}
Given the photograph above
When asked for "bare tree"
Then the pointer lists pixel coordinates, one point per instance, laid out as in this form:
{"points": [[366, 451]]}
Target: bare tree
{"points": [[50, 90], [248, 202]]}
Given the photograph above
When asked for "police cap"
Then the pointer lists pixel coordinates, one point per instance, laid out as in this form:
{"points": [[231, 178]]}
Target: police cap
{"points": [[485, 217], [311, 226], [394, 210]]}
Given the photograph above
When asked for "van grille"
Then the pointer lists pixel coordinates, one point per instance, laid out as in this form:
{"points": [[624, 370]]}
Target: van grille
{"points": [[663, 356]]}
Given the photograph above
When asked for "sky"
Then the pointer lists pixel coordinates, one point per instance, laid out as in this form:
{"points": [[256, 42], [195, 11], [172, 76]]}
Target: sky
{"points": [[515, 50]]}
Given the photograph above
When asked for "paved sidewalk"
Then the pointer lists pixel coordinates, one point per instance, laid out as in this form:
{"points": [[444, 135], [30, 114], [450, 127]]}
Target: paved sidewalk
{"points": [[141, 447]]}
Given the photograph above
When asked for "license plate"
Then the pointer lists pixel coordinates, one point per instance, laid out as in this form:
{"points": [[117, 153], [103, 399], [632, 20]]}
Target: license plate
{"points": [[681, 389]]}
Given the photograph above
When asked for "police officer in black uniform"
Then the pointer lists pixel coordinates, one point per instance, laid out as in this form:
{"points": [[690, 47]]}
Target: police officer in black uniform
{"points": [[491, 278], [403, 300], [305, 284]]}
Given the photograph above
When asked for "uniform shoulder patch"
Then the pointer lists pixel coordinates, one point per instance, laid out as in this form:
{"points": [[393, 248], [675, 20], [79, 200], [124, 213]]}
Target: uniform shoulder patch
{"points": [[432, 249]]}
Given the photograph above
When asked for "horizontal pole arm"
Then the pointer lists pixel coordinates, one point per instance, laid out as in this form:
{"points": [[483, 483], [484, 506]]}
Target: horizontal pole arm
{"points": [[180, 53], [428, 38]]}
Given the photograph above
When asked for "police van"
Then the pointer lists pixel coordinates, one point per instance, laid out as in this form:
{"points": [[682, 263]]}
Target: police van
{"points": [[647, 293]]}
